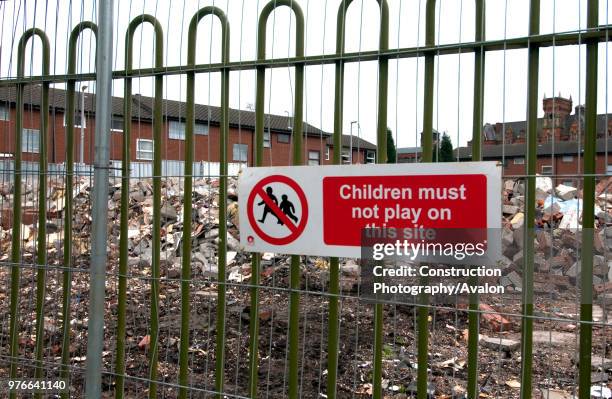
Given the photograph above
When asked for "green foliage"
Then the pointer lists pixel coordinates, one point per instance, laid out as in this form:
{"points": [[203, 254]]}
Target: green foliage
{"points": [[391, 152], [444, 151]]}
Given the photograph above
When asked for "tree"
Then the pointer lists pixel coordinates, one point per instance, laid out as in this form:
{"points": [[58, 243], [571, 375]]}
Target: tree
{"points": [[443, 152], [391, 152], [446, 149]]}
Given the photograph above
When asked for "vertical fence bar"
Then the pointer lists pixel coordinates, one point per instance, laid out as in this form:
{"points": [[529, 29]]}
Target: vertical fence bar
{"points": [[123, 227], [588, 213], [423, 311], [67, 275], [16, 217], [296, 138], [189, 144], [333, 319], [381, 157], [104, 81], [125, 187], [473, 316], [334, 279], [530, 202], [41, 238], [260, 95]]}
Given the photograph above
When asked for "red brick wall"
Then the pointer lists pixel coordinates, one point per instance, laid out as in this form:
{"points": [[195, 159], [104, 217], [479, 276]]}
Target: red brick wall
{"points": [[573, 167], [206, 146]]}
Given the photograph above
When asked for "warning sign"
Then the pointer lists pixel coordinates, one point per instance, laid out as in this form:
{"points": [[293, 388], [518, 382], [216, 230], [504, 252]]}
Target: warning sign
{"points": [[324, 210], [277, 210]]}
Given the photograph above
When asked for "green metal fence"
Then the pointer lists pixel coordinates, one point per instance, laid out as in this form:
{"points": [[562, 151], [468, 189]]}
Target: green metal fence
{"points": [[249, 382]]}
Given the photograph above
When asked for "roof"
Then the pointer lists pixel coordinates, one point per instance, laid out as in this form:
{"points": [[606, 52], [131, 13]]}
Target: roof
{"points": [[357, 142], [520, 150], [409, 150], [519, 128], [142, 109]]}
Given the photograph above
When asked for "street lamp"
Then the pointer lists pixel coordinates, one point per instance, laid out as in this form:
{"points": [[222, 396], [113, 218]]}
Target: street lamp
{"points": [[288, 119], [83, 88], [351, 143]]}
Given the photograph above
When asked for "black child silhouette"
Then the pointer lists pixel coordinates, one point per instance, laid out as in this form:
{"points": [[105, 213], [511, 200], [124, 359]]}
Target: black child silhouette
{"points": [[287, 207], [267, 208]]}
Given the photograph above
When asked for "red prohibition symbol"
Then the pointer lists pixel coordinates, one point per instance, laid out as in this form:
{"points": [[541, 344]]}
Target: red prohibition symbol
{"points": [[287, 219]]}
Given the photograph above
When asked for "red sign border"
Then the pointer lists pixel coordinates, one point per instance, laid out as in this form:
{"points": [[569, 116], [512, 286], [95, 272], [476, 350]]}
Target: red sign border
{"points": [[301, 196]]}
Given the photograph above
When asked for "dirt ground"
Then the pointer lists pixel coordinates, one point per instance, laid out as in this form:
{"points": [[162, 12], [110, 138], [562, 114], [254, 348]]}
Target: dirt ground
{"points": [[554, 351]]}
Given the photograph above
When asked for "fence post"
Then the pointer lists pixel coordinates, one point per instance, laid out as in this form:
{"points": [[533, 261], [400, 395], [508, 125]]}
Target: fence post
{"points": [[16, 230], [588, 222], [296, 137], [530, 202], [188, 184], [69, 169], [423, 310], [104, 81], [473, 315]]}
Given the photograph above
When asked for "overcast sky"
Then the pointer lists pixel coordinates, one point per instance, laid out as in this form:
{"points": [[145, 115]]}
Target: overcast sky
{"points": [[561, 68]]}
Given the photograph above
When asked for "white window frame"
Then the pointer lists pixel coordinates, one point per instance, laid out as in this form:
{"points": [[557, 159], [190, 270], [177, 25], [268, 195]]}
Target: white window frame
{"points": [[267, 139], [370, 156], [547, 170], [279, 135], [567, 158], [314, 161], [173, 134], [76, 114], [5, 112], [114, 118], [519, 161], [27, 141], [140, 151], [327, 153], [240, 146], [346, 156], [200, 129]]}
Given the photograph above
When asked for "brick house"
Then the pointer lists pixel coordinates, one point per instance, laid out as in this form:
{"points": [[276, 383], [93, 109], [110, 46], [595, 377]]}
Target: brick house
{"points": [[560, 142], [318, 145]]}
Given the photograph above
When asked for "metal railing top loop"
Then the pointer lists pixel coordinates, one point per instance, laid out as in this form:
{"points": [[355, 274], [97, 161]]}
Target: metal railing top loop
{"points": [[193, 30], [384, 25], [21, 50], [74, 36], [159, 40], [263, 19]]}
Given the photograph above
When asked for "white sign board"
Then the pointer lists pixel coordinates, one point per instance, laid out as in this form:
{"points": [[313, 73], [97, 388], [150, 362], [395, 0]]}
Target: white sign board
{"points": [[323, 210]]}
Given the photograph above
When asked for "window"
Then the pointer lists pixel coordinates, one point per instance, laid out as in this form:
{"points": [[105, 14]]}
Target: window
{"points": [[144, 149], [240, 152], [568, 183], [4, 113], [370, 157], [267, 143], [327, 153], [519, 161], [77, 120], [30, 140], [567, 158], [345, 156], [176, 130], [314, 158], [282, 138], [547, 170], [117, 124], [201, 129]]}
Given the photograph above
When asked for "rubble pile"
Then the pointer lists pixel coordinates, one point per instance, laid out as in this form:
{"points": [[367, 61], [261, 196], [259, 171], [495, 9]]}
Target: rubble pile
{"points": [[558, 235]]}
